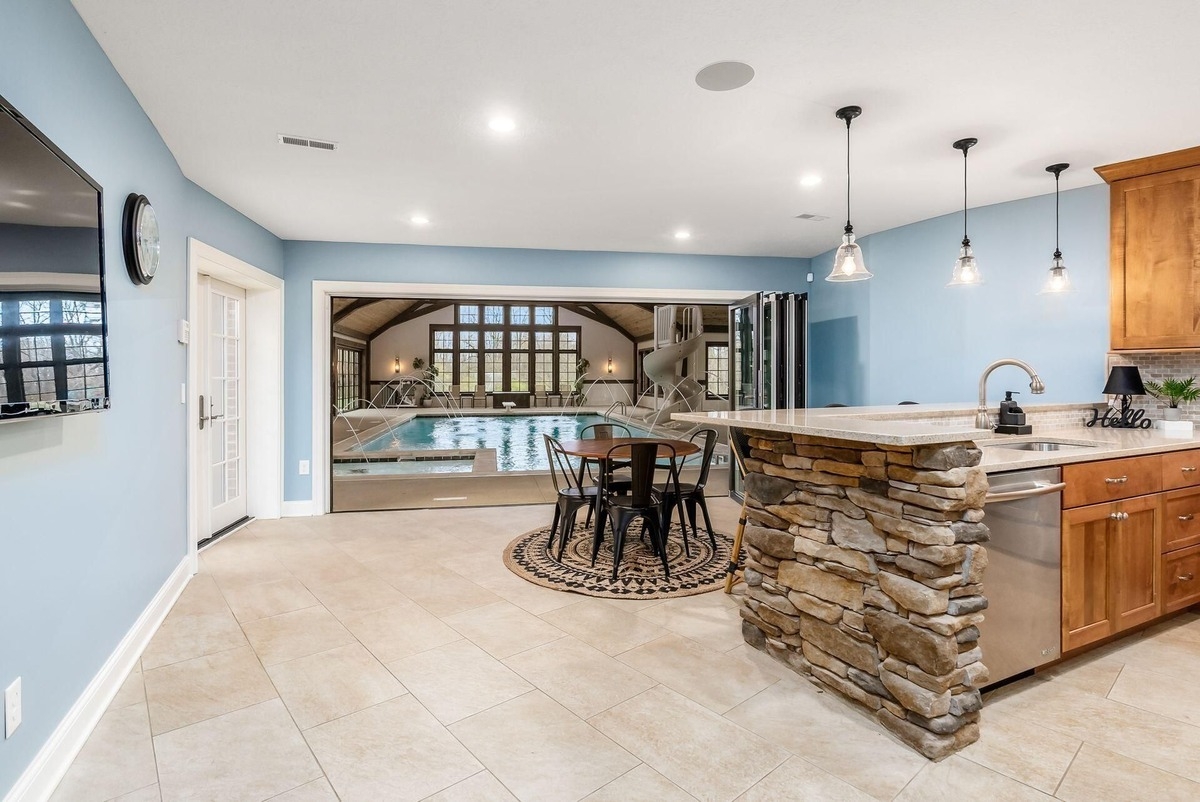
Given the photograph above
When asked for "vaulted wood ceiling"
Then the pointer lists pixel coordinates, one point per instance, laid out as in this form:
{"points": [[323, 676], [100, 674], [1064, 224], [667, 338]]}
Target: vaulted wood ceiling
{"points": [[367, 318]]}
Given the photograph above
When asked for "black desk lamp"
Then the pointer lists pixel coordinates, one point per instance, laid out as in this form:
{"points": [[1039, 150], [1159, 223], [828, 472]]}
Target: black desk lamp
{"points": [[1125, 381]]}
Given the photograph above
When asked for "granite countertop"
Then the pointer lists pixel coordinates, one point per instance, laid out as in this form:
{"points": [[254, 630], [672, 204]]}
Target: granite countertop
{"points": [[885, 425], [921, 426]]}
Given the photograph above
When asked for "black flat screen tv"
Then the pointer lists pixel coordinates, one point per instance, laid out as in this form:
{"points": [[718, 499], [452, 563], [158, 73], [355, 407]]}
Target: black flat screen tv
{"points": [[53, 316]]}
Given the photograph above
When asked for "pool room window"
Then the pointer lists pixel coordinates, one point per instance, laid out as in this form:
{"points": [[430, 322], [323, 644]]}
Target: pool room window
{"points": [[505, 347]]}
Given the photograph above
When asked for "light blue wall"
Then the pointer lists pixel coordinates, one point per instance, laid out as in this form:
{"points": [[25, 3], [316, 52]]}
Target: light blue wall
{"points": [[309, 261], [904, 335], [92, 513]]}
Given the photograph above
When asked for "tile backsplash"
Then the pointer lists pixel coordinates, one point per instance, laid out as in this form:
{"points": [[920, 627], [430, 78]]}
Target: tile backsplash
{"points": [[1159, 366]]}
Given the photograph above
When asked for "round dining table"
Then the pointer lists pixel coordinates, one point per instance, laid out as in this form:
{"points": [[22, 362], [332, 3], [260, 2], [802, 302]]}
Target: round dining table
{"points": [[598, 449]]}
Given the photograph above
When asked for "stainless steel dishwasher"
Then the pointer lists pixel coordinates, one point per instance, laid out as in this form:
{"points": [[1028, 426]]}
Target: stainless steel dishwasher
{"points": [[1022, 626]]}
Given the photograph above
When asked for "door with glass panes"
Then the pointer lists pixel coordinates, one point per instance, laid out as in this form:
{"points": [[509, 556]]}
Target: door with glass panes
{"points": [[222, 421]]}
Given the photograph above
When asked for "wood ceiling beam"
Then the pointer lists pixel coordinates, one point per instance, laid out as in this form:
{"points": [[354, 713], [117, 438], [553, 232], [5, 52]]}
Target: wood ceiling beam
{"points": [[594, 313], [355, 306], [419, 309]]}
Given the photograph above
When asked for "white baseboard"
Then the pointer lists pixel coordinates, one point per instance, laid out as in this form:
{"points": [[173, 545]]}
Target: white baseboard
{"points": [[39, 780], [299, 509]]}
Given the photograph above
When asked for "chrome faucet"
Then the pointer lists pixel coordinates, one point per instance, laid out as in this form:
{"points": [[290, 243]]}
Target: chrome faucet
{"points": [[982, 419]]}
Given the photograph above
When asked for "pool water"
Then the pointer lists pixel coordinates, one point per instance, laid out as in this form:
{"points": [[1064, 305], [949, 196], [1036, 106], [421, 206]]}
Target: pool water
{"points": [[517, 439]]}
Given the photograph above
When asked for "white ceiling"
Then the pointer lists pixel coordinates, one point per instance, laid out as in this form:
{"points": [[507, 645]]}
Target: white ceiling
{"points": [[616, 146]]}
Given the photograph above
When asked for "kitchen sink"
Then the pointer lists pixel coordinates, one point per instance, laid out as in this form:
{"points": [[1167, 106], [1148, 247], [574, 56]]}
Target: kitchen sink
{"points": [[1041, 445]]}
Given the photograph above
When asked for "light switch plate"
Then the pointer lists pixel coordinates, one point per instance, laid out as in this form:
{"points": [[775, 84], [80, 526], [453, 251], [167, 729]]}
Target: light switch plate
{"points": [[304, 467], [12, 708], [185, 332]]}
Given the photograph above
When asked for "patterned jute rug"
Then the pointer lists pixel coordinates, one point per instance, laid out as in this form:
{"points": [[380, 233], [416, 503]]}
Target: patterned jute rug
{"points": [[641, 575]]}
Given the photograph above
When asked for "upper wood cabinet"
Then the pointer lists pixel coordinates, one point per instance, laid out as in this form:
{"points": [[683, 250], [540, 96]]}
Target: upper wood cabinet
{"points": [[1155, 251]]}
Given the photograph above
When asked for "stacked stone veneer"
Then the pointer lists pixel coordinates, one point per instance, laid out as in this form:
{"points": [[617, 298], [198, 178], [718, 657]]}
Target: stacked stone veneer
{"points": [[864, 573]]}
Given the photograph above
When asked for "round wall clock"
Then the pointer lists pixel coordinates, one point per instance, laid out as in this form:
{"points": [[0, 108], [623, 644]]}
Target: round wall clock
{"points": [[139, 231]]}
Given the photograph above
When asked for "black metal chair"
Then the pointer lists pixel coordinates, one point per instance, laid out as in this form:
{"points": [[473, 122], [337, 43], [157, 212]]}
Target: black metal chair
{"points": [[691, 494], [571, 494], [642, 503], [604, 431], [607, 431]]}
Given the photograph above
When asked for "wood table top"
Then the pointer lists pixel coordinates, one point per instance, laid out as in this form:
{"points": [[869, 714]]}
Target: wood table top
{"points": [[598, 449]]}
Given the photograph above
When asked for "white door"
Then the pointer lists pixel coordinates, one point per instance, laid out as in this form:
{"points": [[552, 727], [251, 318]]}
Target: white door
{"points": [[222, 421]]}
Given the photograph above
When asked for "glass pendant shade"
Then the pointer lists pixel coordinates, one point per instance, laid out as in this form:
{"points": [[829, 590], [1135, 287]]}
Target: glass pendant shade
{"points": [[848, 262], [966, 271], [1058, 281]]}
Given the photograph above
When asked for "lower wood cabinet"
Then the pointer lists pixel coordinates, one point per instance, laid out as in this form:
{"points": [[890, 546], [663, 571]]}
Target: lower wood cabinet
{"points": [[1181, 579], [1110, 568]]}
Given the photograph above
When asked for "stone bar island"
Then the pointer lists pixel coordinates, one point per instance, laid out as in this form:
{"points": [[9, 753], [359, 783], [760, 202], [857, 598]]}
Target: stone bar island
{"points": [[865, 560]]}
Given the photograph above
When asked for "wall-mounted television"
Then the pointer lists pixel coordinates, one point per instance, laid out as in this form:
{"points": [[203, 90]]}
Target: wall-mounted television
{"points": [[53, 317]]}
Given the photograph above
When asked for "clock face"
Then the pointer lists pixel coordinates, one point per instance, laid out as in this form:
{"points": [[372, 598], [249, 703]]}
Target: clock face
{"points": [[147, 240], [141, 239]]}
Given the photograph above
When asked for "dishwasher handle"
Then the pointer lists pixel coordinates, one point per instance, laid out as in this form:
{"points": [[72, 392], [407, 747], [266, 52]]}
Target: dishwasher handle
{"points": [[1039, 489]]}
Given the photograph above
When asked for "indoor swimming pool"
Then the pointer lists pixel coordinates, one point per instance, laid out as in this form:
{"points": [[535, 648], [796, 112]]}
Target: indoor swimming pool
{"points": [[516, 439]]}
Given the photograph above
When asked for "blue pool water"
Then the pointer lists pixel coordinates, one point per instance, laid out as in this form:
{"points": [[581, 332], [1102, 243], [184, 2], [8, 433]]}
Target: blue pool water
{"points": [[516, 438]]}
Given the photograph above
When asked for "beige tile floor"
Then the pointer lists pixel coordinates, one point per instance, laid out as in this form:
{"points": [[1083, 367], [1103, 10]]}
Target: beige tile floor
{"points": [[392, 656]]}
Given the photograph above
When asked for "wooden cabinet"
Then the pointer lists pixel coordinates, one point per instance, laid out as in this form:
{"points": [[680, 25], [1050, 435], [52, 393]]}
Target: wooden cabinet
{"points": [[1134, 552], [1111, 479], [1086, 603], [1181, 579], [1181, 519], [1154, 251], [1181, 469], [1110, 568]]}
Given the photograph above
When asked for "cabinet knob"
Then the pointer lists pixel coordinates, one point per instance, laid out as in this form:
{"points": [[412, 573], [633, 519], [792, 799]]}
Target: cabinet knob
{"points": [[1186, 577], [1187, 517], [1120, 480], [1188, 469]]}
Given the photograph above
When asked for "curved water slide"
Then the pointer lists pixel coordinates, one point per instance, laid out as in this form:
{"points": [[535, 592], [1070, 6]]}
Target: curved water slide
{"points": [[679, 334]]}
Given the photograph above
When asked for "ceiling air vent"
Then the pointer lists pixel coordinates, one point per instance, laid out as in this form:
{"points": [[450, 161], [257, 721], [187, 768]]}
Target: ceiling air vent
{"points": [[305, 142], [816, 218]]}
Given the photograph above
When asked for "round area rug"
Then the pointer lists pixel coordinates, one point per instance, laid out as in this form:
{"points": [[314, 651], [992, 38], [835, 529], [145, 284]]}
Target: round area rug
{"points": [[641, 574]]}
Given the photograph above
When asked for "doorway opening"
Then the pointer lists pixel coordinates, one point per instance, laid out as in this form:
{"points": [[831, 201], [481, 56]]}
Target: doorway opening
{"points": [[461, 385]]}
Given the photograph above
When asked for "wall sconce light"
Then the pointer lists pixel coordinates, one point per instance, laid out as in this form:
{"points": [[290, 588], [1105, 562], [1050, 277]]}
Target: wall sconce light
{"points": [[610, 364], [396, 365]]}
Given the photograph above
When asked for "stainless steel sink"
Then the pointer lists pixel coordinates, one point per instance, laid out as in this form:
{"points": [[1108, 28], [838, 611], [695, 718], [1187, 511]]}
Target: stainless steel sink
{"points": [[1041, 445]]}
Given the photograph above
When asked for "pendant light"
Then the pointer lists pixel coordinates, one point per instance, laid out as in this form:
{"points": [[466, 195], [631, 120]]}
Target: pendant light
{"points": [[848, 262], [966, 272], [1058, 281]]}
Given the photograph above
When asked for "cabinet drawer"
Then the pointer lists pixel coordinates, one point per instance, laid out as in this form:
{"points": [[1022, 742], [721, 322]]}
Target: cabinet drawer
{"points": [[1181, 519], [1181, 579], [1181, 469], [1097, 482]]}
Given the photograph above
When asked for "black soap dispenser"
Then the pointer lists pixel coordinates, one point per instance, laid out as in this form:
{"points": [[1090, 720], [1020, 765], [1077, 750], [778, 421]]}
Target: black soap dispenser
{"points": [[1012, 417]]}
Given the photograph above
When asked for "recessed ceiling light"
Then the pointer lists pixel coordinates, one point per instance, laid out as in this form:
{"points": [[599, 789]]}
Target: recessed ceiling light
{"points": [[810, 180], [419, 220], [502, 125], [724, 76], [683, 233]]}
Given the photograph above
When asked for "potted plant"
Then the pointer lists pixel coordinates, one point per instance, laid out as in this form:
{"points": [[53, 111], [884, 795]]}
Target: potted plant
{"points": [[421, 393], [1174, 391], [578, 394]]}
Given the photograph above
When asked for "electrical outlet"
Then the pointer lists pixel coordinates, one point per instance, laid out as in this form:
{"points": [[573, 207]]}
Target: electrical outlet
{"points": [[12, 708], [304, 469], [811, 277]]}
